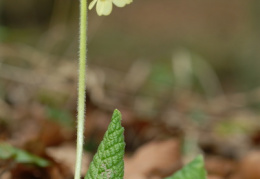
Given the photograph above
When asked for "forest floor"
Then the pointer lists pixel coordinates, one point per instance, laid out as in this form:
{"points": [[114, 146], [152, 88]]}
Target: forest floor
{"points": [[169, 118]]}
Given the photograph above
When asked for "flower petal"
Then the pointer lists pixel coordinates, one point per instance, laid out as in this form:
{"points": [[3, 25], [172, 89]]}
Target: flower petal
{"points": [[92, 4], [104, 7], [121, 3], [129, 1]]}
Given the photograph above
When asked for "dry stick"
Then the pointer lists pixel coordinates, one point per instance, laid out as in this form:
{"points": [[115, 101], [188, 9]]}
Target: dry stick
{"points": [[82, 86]]}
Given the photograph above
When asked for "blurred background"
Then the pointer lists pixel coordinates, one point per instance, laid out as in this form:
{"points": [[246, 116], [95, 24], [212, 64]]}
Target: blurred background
{"points": [[184, 74]]}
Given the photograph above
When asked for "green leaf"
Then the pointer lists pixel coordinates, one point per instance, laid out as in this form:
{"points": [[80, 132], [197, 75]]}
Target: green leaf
{"points": [[6, 151], [193, 170], [20, 156], [108, 162]]}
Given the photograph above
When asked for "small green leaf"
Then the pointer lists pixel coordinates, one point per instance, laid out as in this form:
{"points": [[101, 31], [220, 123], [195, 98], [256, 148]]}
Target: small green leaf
{"points": [[193, 170], [20, 156], [108, 162], [6, 151]]}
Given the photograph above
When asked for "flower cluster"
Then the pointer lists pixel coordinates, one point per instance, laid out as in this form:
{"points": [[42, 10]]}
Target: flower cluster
{"points": [[104, 7]]}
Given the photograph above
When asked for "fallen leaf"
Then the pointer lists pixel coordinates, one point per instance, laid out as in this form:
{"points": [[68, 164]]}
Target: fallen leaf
{"points": [[250, 165], [66, 154], [157, 158], [219, 166]]}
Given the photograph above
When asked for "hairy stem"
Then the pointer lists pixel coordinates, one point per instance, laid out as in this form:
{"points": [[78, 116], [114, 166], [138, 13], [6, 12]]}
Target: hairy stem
{"points": [[81, 86]]}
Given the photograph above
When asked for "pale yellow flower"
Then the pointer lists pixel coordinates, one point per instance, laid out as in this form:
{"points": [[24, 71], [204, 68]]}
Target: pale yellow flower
{"points": [[104, 7]]}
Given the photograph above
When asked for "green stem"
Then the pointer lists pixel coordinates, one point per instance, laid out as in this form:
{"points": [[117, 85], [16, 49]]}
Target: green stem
{"points": [[81, 86]]}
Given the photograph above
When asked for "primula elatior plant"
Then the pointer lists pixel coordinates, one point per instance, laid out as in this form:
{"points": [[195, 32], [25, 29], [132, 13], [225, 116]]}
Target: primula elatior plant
{"points": [[108, 162], [104, 7]]}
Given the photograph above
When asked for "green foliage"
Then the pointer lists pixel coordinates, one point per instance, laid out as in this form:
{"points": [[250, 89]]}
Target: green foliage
{"points": [[108, 162], [20, 156], [194, 170]]}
